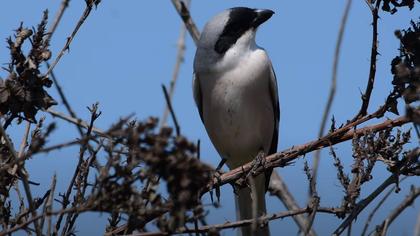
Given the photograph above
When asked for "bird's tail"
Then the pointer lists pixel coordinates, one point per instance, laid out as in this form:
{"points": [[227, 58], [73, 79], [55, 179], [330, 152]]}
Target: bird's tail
{"points": [[250, 204]]}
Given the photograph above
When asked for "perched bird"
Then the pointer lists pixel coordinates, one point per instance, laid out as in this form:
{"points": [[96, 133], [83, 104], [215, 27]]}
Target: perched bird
{"points": [[235, 90]]}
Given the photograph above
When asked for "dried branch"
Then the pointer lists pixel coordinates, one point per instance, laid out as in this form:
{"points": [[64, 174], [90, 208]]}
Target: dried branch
{"points": [[240, 223], [370, 217], [179, 60], [169, 104], [65, 198], [417, 226], [373, 55], [279, 188], [63, 6], [86, 12], [285, 157], [408, 201], [364, 203], [184, 13], [76, 121]]}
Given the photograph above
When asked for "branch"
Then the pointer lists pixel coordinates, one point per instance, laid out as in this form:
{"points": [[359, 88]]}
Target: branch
{"points": [[415, 192], [235, 224], [285, 157], [279, 188], [184, 13], [63, 6], [169, 104], [88, 9], [76, 121], [21, 172], [179, 60], [373, 55], [364, 203], [365, 228]]}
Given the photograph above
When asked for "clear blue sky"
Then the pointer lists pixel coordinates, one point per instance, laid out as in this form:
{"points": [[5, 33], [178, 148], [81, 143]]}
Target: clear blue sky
{"points": [[126, 50]]}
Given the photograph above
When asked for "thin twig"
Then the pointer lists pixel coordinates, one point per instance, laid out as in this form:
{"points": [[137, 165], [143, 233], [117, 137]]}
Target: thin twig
{"points": [[279, 188], [370, 217], [48, 205], [64, 100], [364, 203], [417, 226], [333, 87], [63, 6], [408, 201], [186, 17], [76, 121], [86, 12], [23, 176], [169, 104], [373, 57], [65, 202], [235, 224], [24, 142], [175, 73]]}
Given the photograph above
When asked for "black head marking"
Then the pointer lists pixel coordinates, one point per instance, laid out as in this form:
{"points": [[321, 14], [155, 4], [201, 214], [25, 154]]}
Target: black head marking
{"points": [[241, 19]]}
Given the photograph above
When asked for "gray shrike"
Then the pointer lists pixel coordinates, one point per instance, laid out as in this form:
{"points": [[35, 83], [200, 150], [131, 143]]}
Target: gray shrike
{"points": [[235, 90]]}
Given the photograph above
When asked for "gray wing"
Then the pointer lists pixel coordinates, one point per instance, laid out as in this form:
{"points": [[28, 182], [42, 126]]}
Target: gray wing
{"points": [[197, 95], [276, 108]]}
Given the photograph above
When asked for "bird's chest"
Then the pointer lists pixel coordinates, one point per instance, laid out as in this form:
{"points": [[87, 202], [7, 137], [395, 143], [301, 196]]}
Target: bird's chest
{"points": [[236, 108]]}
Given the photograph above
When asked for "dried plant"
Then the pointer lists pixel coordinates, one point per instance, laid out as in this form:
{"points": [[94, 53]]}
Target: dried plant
{"points": [[141, 174]]}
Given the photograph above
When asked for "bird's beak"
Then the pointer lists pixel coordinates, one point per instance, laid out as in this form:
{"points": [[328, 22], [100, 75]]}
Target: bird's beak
{"points": [[262, 16]]}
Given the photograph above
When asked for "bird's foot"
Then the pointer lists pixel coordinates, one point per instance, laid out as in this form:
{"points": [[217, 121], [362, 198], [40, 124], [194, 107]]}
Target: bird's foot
{"points": [[216, 175], [257, 162]]}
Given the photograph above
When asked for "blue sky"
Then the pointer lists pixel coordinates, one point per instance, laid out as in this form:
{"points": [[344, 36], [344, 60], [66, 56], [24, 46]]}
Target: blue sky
{"points": [[126, 50]]}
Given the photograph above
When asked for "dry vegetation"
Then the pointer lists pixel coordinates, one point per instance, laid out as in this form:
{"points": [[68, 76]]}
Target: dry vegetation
{"points": [[121, 170]]}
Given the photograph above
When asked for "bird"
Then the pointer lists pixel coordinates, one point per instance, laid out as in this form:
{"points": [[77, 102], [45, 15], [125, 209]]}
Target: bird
{"points": [[235, 91]]}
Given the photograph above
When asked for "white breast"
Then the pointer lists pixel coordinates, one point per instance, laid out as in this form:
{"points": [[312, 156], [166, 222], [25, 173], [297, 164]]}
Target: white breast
{"points": [[237, 107]]}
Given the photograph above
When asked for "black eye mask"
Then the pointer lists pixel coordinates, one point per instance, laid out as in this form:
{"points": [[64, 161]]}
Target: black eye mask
{"points": [[240, 20]]}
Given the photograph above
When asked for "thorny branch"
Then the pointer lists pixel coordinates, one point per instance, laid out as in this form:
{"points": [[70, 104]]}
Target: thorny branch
{"points": [[373, 55]]}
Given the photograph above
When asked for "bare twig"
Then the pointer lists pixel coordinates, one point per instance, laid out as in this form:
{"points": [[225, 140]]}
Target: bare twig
{"points": [[369, 219], [417, 226], [48, 205], [63, 6], [414, 193], [76, 121], [235, 224], [169, 104], [179, 60], [333, 87], [373, 55], [65, 202], [24, 142], [23, 176], [314, 200], [64, 100], [279, 188], [186, 17], [364, 203], [86, 12]]}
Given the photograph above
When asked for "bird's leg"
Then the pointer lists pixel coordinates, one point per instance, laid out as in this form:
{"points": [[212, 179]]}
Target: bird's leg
{"points": [[216, 175], [221, 163]]}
